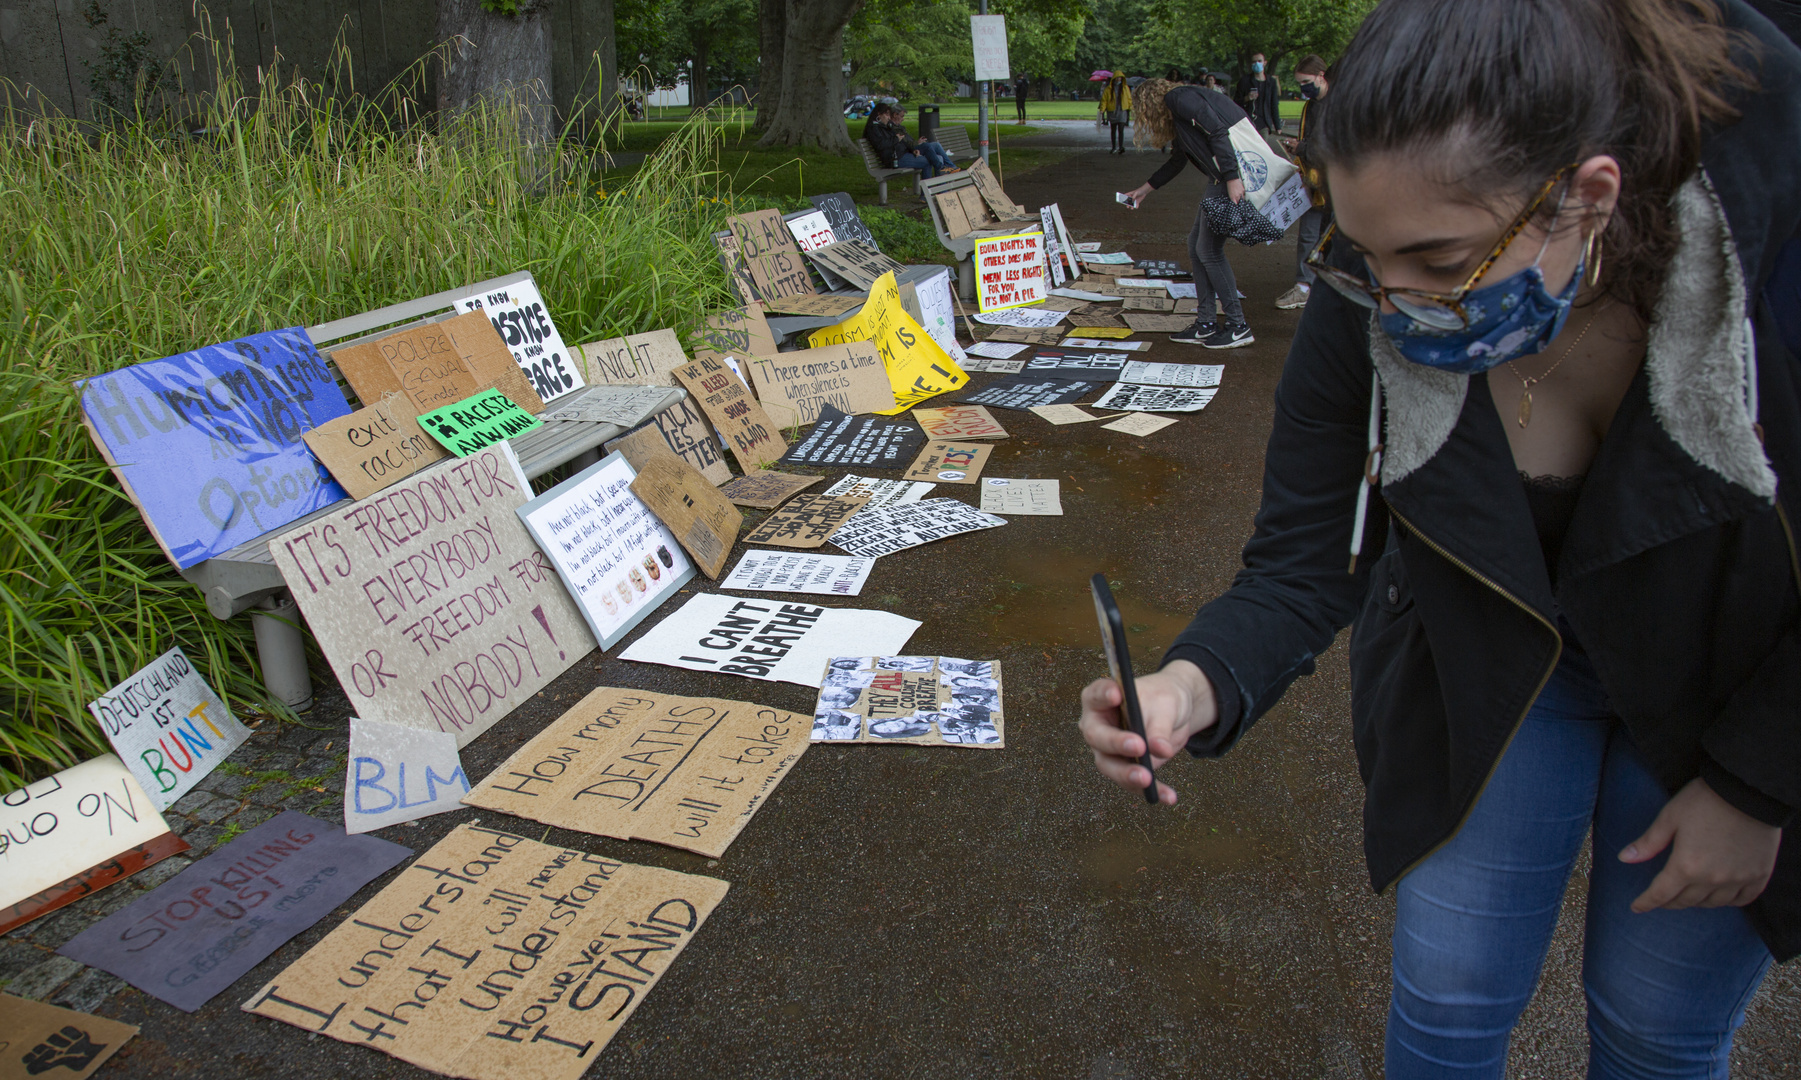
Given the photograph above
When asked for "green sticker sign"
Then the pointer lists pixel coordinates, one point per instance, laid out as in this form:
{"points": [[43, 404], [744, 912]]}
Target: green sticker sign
{"points": [[477, 421]]}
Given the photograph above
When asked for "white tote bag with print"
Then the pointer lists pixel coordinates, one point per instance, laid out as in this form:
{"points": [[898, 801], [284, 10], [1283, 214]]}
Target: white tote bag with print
{"points": [[1261, 168]]}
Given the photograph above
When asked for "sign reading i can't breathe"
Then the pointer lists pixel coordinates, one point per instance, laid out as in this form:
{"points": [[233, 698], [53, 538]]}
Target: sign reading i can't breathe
{"points": [[478, 421], [168, 726]]}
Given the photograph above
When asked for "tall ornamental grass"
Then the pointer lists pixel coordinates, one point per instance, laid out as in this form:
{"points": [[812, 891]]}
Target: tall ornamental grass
{"points": [[267, 206]]}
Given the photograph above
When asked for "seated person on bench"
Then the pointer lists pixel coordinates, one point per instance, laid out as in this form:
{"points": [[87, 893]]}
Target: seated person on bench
{"points": [[887, 133]]}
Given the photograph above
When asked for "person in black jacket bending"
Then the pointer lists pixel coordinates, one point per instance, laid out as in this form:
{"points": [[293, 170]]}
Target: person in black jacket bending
{"points": [[1547, 403], [1194, 123]]}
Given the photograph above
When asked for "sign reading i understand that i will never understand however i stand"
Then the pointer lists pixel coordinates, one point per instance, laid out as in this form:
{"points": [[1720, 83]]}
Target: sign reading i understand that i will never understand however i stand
{"points": [[432, 602]]}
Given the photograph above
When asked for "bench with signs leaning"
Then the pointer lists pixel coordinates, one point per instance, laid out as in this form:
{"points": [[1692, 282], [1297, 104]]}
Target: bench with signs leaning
{"points": [[882, 173]]}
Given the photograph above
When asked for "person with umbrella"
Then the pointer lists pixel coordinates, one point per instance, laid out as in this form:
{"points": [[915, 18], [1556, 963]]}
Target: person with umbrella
{"points": [[1116, 106]]}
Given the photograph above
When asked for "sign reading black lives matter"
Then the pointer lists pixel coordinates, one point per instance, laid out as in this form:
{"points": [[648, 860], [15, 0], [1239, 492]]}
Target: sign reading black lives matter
{"points": [[874, 533], [431, 600], [1025, 390], [837, 439]]}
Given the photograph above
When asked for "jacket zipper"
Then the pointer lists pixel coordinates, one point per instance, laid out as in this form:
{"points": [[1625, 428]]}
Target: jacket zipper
{"points": [[1556, 656], [1788, 530]]}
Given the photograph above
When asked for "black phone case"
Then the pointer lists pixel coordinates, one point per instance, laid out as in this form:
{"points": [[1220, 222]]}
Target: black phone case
{"points": [[1119, 658]]}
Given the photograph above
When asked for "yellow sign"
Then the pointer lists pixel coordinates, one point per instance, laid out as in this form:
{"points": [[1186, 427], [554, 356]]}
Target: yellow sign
{"points": [[917, 367], [1119, 333]]}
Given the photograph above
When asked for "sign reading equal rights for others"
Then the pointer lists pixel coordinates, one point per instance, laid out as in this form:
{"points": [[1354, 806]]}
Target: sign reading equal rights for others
{"points": [[1010, 271]]}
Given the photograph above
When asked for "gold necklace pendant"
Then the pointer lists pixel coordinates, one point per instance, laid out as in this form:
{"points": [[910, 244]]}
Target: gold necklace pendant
{"points": [[1525, 416]]}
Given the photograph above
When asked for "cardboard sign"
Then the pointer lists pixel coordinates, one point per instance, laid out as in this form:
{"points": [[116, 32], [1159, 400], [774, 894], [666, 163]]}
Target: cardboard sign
{"points": [[1010, 271], [374, 446], [964, 422], [879, 492], [838, 439], [1028, 497], [975, 211], [765, 639], [841, 211], [855, 262], [687, 772], [377, 790], [923, 700], [781, 274], [617, 560], [794, 386], [771, 254], [1132, 397], [522, 319], [1149, 303], [805, 522], [478, 421], [830, 307], [193, 935], [1024, 336], [678, 430], [1157, 324], [1143, 373], [624, 406], [1140, 424], [110, 872], [950, 463], [918, 367], [995, 367], [734, 332], [1096, 343], [437, 364], [737, 274], [766, 489], [1076, 365], [647, 359], [495, 957], [990, 189], [208, 443], [749, 432], [760, 232], [785, 571], [1026, 390], [1054, 302], [950, 208], [1065, 414], [432, 594], [47, 1040], [1033, 319], [875, 533], [690, 506], [168, 726], [1098, 323], [64, 824], [811, 230]]}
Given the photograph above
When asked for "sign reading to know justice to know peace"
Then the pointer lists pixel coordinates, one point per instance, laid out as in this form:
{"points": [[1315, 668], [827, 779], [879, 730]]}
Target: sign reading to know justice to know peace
{"points": [[374, 446], [168, 726], [433, 604], [1010, 271], [522, 320]]}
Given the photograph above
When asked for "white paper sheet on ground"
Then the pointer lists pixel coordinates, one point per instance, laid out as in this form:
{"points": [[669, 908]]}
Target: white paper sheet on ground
{"points": [[1024, 318], [880, 491], [56, 828], [1097, 343], [1144, 283], [1140, 424], [768, 639], [799, 572], [1145, 373], [1091, 297], [998, 350], [1131, 397], [1182, 290], [1103, 259], [1066, 414], [627, 406], [1005, 496], [168, 726], [1088, 246], [398, 773], [939, 312], [993, 367], [874, 533]]}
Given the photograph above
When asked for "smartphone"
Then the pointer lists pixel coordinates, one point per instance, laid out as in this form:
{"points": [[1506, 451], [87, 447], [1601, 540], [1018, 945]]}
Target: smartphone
{"points": [[1125, 200], [1119, 659]]}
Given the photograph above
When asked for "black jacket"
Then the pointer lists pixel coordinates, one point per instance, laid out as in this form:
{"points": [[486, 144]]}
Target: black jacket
{"points": [[889, 141], [1266, 111], [1679, 573], [1200, 120]]}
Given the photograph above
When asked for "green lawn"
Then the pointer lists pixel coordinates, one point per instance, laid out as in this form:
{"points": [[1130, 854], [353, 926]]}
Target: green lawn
{"points": [[963, 109]]}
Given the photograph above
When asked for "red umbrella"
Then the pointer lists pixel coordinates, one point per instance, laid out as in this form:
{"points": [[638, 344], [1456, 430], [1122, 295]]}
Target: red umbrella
{"points": [[1100, 76]]}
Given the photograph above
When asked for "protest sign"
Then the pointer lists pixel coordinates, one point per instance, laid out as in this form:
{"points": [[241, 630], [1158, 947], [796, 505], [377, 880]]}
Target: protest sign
{"points": [[817, 304], [771, 254], [855, 262], [995, 367], [806, 521], [990, 188], [193, 935], [736, 272], [377, 790], [690, 507], [1064, 304], [69, 834], [625, 406], [1025, 390], [525, 976], [918, 367], [168, 726], [838, 439], [1143, 373], [433, 592], [1140, 424], [750, 434], [997, 350], [1024, 336], [1096, 343], [521, 318], [1134, 398], [975, 210], [1053, 248], [1009, 271], [436, 365], [1065, 414], [1181, 290], [797, 572], [1287, 203], [645, 359], [1157, 324], [922, 700], [780, 274], [760, 232], [879, 492], [766, 489], [1026, 497], [1088, 295], [1065, 244], [374, 446], [208, 443], [1076, 365], [725, 633], [36, 1039], [1096, 324], [687, 772], [794, 386], [1097, 258], [950, 463], [875, 533], [841, 211], [963, 422], [1160, 304], [950, 209], [1147, 285], [734, 332], [811, 230], [1033, 319], [679, 430], [480, 420], [618, 561], [1086, 335], [988, 35], [934, 307]]}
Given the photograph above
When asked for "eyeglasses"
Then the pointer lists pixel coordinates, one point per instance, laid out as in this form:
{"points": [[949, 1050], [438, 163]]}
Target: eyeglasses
{"points": [[1442, 311]]}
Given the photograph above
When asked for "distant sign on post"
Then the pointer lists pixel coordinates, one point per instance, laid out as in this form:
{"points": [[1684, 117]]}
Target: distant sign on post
{"points": [[989, 34], [168, 726]]}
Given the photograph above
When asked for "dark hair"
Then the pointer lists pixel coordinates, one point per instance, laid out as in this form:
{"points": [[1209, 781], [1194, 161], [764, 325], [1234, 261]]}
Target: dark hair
{"points": [[1311, 64], [881, 108], [1506, 94]]}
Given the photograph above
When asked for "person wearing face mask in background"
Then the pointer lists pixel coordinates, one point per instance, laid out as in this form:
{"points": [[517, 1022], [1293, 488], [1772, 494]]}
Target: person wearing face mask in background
{"points": [[1547, 405], [1311, 73], [1116, 108], [1260, 96]]}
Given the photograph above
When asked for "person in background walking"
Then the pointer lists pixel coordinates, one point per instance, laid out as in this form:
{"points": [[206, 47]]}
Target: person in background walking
{"points": [[1021, 85], [1260, 96], [1311, 73], [1116, 106], [1196, 124]]}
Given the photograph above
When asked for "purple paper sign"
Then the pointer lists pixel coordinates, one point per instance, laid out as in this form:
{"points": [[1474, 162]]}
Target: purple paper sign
{"points": [[194, 935], [208, 442]]}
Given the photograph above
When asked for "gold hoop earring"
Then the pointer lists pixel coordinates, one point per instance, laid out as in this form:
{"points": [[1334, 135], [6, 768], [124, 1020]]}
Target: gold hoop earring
{"points": [[1591, 255]]}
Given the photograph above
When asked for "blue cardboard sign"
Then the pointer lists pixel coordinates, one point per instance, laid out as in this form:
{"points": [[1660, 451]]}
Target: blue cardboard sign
{"points": [[209, 444]]}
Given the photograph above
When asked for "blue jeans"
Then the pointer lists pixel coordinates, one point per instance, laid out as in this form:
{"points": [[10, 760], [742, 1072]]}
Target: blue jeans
{"points": [[928, 157], [1666, 989]]}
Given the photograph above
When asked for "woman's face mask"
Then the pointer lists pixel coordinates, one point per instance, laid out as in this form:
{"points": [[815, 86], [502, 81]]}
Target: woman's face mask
{"points": [[1310, 90]]}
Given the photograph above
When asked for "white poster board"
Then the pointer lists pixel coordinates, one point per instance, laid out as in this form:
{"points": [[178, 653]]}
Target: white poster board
{"points": [[398, 773], [1288, 203], [767, 639], [1010, 271], [168, 726], [938, 312], [56, 828], [812, 231], [988, 33], [523, 320], [799, 572]]}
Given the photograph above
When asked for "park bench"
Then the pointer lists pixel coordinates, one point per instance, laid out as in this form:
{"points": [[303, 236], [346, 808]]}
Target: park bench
{"points": [[881, 173], [955, 140], [245, 579], [963, 247]]}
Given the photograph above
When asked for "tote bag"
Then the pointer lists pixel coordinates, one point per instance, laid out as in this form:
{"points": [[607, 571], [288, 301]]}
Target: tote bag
{"points": [[1261, 168]]}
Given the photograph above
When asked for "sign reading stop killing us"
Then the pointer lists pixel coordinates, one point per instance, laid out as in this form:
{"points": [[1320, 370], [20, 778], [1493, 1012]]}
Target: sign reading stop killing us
{"points": [[431, 601], [168, 726]]}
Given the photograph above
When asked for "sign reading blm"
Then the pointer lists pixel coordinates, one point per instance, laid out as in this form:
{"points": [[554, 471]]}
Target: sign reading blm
{"points": [[208, 443]]}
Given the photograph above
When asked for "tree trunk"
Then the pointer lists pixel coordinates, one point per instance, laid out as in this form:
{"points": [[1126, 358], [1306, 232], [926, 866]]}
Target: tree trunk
{"points": [[586, 73], [772, 32], [698, 97], [811, 112], [498, 60]]}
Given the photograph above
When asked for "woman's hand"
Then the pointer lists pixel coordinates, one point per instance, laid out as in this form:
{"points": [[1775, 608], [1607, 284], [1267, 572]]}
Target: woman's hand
{"points": [[1235, 189], [1722, 856], [1177, 702], [1138, 193]]}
